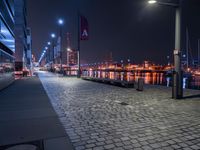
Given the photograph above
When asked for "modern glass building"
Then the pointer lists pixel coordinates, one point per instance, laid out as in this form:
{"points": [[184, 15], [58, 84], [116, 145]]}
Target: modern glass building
{"points": [[7, 42], [20, 35]]}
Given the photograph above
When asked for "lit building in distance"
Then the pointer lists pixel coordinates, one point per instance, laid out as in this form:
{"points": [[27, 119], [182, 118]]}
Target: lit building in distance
{"points": [[72, 57]]}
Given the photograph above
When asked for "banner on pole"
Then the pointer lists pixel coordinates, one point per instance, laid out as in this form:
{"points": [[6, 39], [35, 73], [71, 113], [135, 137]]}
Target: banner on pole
{"points": [[84, 29]]}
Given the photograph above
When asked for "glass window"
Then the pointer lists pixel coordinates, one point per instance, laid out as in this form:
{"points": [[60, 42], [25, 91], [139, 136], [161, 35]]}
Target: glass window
{"points": [[6, 37]]}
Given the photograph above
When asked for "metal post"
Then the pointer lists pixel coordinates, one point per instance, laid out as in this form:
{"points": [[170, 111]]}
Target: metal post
{"points": [[48, 54], [61, 48], [198, 54], [79, 63], [53, 50], [187, 48], [177, 85]]}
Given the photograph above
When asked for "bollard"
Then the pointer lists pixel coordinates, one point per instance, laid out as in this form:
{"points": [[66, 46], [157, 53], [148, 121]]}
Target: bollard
{"points": [[140, 84]]}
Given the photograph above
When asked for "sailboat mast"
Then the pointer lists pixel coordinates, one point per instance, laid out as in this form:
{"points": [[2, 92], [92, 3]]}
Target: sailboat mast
{"points": [[187, 48], [198, 54]]}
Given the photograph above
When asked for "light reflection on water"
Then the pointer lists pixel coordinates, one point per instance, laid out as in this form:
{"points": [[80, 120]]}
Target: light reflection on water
{"points": [[155, 78]]}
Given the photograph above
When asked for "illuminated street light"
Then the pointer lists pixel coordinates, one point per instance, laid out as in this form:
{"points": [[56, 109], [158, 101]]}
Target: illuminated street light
{"points": [[48, 55], [53, 35], [177, 91], [152, 1], [60, 23]]}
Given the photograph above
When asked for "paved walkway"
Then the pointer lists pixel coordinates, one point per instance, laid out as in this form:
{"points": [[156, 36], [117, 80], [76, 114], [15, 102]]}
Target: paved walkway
{"points": [[26, 115], [94, 118]]}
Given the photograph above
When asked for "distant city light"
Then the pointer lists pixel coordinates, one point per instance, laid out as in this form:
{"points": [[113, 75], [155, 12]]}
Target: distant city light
{"points": [[69, 50], [152, 1], [49, 43]]}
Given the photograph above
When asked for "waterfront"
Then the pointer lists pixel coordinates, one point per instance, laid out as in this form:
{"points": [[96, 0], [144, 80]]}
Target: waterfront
{"points": [[150, 77]]}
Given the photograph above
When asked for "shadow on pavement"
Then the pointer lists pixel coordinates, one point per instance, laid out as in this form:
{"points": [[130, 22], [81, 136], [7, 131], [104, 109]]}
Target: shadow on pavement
{"points": [[192, 96]]}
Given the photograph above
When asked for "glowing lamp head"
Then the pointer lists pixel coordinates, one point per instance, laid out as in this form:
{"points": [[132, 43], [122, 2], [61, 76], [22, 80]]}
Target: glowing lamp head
{"points": [[60, 21], [46, 48], [152, 1], [53, 35], [49, 43]]}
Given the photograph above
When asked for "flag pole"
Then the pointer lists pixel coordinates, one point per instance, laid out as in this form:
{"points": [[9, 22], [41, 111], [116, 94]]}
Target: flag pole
{"points": [[78, 50]]}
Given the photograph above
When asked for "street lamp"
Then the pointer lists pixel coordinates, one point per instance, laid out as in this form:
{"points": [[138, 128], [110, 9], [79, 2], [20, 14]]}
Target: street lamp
{"points": [[177, 91], [53, 37], [198, 54], [60, 23], [152, 1], [46, 55], [48, 46]]}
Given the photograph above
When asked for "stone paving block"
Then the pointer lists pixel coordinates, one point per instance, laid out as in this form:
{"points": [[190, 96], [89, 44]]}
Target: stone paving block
{"points": [[101, 139], [128, 147], [109, 146], [119, 144], [195, 147], [108, 141], [90, 145], [80, 148], [98, 148], [125, 138]]}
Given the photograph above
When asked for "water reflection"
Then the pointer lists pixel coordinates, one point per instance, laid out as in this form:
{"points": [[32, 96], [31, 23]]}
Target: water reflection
{"points": [[150, 77]]}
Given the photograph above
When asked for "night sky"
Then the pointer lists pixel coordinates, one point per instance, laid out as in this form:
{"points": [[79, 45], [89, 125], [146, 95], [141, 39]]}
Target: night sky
{"points": [[127, 28]]}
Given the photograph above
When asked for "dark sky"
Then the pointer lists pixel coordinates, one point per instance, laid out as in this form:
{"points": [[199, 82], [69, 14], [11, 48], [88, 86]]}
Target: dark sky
{"points": [[127, 28]]}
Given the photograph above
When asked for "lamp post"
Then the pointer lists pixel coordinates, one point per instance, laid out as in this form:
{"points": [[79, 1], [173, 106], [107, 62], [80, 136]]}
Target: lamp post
{"points": [[60, 23], [46, 48], [49, 43], [53, 37], [198, 54], [177, 90]]}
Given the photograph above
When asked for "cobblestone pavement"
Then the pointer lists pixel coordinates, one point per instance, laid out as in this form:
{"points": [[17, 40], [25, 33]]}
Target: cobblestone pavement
{"points": [[94, 118]]}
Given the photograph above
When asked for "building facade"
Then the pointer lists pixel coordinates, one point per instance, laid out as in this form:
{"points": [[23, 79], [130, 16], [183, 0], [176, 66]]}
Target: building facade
{"points": [[20, 35], [29, 63], [15, 54], [7, 42], [72, 57]]}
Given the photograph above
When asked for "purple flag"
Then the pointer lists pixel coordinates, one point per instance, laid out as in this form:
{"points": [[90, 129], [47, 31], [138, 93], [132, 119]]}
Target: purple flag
{"points": [[84, 28]]}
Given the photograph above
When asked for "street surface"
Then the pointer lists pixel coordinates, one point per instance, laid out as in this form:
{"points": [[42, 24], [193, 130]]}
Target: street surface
{"points": [[99, 116]]}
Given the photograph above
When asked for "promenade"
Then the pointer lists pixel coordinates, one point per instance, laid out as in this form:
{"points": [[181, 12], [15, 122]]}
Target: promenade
{"points": [[100, 116], [28, 120]]}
